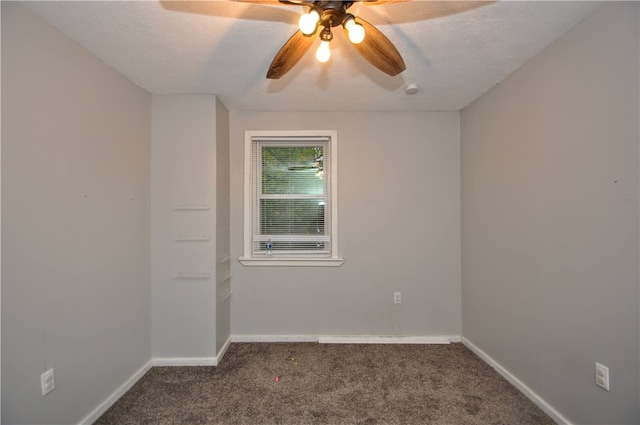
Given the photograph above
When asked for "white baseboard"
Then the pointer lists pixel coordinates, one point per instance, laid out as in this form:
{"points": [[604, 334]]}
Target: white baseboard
{"points": [[274, 338], [192, 361], [531, 395], [98, 411], [223, 350], [349, 339], [185, 361], [375, 339]]}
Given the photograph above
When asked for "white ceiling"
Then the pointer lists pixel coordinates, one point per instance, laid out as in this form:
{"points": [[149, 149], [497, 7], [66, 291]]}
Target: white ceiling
{"points": [[454, 51]]}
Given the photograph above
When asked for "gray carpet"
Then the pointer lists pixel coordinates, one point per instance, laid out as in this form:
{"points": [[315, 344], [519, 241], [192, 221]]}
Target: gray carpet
{"points": [[328, 384]]}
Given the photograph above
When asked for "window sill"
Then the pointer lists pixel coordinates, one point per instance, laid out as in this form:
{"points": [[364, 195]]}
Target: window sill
{"points": [[292, 262]]}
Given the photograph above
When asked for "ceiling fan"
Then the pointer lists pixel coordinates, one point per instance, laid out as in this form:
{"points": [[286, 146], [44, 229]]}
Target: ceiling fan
{"points": [[324, 15]]}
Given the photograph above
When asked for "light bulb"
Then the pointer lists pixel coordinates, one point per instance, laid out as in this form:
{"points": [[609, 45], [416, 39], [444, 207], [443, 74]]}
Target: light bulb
{"points": [[308, 22], [323, 53], [356, 31]]}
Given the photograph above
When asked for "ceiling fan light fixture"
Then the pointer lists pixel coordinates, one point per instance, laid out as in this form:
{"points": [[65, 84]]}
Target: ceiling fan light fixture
{"points": [[309, 21], [322, 15], [355, 30]]}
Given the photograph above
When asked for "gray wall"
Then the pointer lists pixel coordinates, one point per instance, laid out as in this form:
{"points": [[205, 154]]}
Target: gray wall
{"points": [[75, 224], [223, 238], [183, 172], [399, 230], [550, 220]]}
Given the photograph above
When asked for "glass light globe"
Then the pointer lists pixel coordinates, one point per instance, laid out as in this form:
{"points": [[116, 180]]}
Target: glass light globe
{"points": [[356, 31], [308, 22], [323, 53]]}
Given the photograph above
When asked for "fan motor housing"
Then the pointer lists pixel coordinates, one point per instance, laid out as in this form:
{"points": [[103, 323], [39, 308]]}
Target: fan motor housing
{"points": [[333, 12]]}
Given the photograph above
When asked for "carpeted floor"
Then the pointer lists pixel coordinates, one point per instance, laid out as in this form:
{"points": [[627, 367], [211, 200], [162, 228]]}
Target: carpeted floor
{"points": [[308, 383]]}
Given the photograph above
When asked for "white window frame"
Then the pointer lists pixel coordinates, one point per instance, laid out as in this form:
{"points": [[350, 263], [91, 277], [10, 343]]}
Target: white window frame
{"points": [[248, 259]]}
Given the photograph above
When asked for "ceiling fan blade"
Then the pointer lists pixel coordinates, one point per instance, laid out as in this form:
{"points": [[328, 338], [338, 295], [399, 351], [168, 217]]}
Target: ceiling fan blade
{"points": [[279, 2], [259, 10], [379, 51], [376, 2], [289, 55], [273, 2]]}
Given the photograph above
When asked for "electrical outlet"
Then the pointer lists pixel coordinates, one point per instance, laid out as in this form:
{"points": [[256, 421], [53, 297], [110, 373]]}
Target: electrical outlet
{"points": [[47, 382], [602, 376], [397, 297]]}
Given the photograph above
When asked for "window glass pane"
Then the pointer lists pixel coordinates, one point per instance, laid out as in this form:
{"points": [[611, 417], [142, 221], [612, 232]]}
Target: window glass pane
{"points": [[292, 216], [292, 170]]}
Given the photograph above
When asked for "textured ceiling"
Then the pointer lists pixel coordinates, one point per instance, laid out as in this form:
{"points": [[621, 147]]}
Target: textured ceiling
{"points": [[454, 51]]}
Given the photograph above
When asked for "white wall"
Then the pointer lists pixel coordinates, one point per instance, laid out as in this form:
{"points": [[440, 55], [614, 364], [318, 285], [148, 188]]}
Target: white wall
{"points": [[75, 221], [183, 172], [550, 220], [399, 229]]}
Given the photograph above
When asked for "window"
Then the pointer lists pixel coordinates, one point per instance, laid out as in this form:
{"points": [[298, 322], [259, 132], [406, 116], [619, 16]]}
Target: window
{"points": [[290, 215]]}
